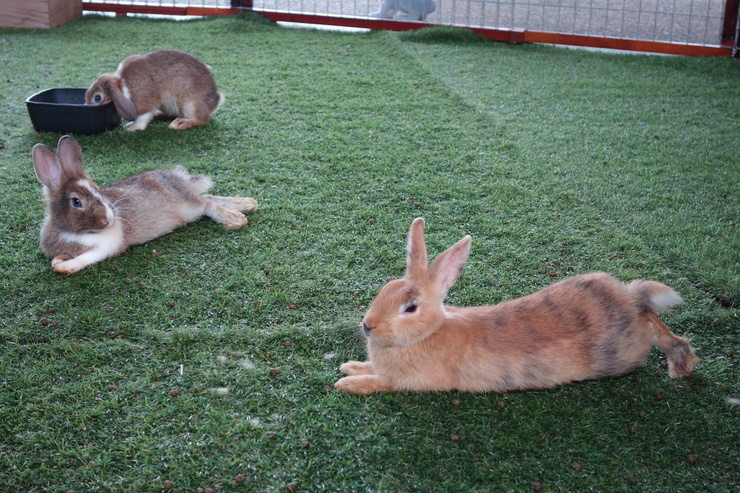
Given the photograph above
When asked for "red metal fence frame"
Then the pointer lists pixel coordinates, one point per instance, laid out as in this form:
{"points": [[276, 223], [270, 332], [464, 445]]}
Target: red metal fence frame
{"points": [[727, 47]]}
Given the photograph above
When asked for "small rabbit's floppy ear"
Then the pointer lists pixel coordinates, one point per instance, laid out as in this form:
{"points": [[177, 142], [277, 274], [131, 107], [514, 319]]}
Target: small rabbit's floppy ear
{"points": [[47, 167], [416, 250], [124, 106], [446, 268]]}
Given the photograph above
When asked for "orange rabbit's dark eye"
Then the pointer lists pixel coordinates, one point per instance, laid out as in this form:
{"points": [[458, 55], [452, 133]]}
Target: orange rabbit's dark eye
{"points": [[410, 308]]}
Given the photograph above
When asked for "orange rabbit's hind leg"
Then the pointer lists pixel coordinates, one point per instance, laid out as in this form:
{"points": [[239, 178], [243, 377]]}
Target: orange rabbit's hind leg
{"points": [[681, 357]]}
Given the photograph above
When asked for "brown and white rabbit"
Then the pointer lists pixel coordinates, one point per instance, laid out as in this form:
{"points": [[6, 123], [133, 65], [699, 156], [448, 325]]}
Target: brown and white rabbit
{"points": [[85, 224], [588, 326], [162, 84]]}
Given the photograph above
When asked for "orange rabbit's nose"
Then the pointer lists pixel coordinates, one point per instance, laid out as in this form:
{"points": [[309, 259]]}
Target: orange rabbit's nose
{"points": [[365, 329]]}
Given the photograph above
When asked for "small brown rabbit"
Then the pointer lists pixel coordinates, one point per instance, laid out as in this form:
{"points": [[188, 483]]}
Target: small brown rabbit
{"points": [[85, 224], [162, 84], [588, 326]]}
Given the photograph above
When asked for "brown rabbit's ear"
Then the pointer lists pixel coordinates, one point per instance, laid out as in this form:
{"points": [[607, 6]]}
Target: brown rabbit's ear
{"points": [[416, 250], [124, 106], [47, 167], [446, 268], [69, 152], [52, 168]]}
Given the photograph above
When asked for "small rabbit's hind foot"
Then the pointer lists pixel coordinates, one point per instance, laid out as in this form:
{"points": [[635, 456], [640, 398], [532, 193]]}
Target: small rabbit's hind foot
{"points": [[185, 123]]}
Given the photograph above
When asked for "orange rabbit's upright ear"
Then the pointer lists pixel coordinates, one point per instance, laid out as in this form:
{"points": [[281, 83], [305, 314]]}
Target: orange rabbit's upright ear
{"points": [[446, 268], [416, 250]]}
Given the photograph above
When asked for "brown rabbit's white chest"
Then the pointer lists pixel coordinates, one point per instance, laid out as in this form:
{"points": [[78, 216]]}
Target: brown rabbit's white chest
{"points": [[108, 240]]}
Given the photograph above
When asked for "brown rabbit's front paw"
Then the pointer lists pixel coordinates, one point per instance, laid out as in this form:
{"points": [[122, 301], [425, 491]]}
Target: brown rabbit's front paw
{"points": [[134, 126], [64, 264]]}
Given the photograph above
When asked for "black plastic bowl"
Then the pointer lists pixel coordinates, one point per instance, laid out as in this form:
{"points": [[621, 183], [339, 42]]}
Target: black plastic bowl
{"points": [[63, 110]]}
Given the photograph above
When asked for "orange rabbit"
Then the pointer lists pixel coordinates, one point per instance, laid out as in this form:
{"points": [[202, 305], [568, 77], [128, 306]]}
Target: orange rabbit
{"points": [[589, 326]]}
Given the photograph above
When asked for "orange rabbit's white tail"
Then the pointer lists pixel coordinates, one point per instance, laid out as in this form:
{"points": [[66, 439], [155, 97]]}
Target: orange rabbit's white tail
{"points": [[655, 296]]}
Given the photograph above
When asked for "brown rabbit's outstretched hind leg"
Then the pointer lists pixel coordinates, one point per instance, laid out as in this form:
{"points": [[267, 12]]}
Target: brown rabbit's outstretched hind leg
{"points": [[681, 357], [226, 217], [241, 204]]}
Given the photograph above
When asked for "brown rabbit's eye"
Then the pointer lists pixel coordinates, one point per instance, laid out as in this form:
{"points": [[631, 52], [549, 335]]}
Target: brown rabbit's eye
{"points": [[76, 203], [98, 98], [411, 308]]}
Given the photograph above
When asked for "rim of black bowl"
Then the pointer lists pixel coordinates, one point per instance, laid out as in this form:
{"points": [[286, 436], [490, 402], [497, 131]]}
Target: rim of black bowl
{"points": [[29, 99]]}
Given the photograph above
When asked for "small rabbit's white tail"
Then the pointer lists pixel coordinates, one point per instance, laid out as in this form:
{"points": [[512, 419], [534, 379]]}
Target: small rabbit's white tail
{"points": [[220, 103]]}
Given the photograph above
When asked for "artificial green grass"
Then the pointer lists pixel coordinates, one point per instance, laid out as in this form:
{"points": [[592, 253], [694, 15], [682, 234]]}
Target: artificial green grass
{"points": [[556, 161]]}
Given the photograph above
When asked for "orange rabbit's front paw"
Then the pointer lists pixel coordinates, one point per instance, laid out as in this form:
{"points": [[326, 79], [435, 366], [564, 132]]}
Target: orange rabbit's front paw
{"points": [[356, 368], [361, 384]]}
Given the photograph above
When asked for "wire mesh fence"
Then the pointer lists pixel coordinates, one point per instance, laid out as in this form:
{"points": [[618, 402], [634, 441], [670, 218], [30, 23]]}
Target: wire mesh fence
{"points": [[690, 22], [683, 21]]}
